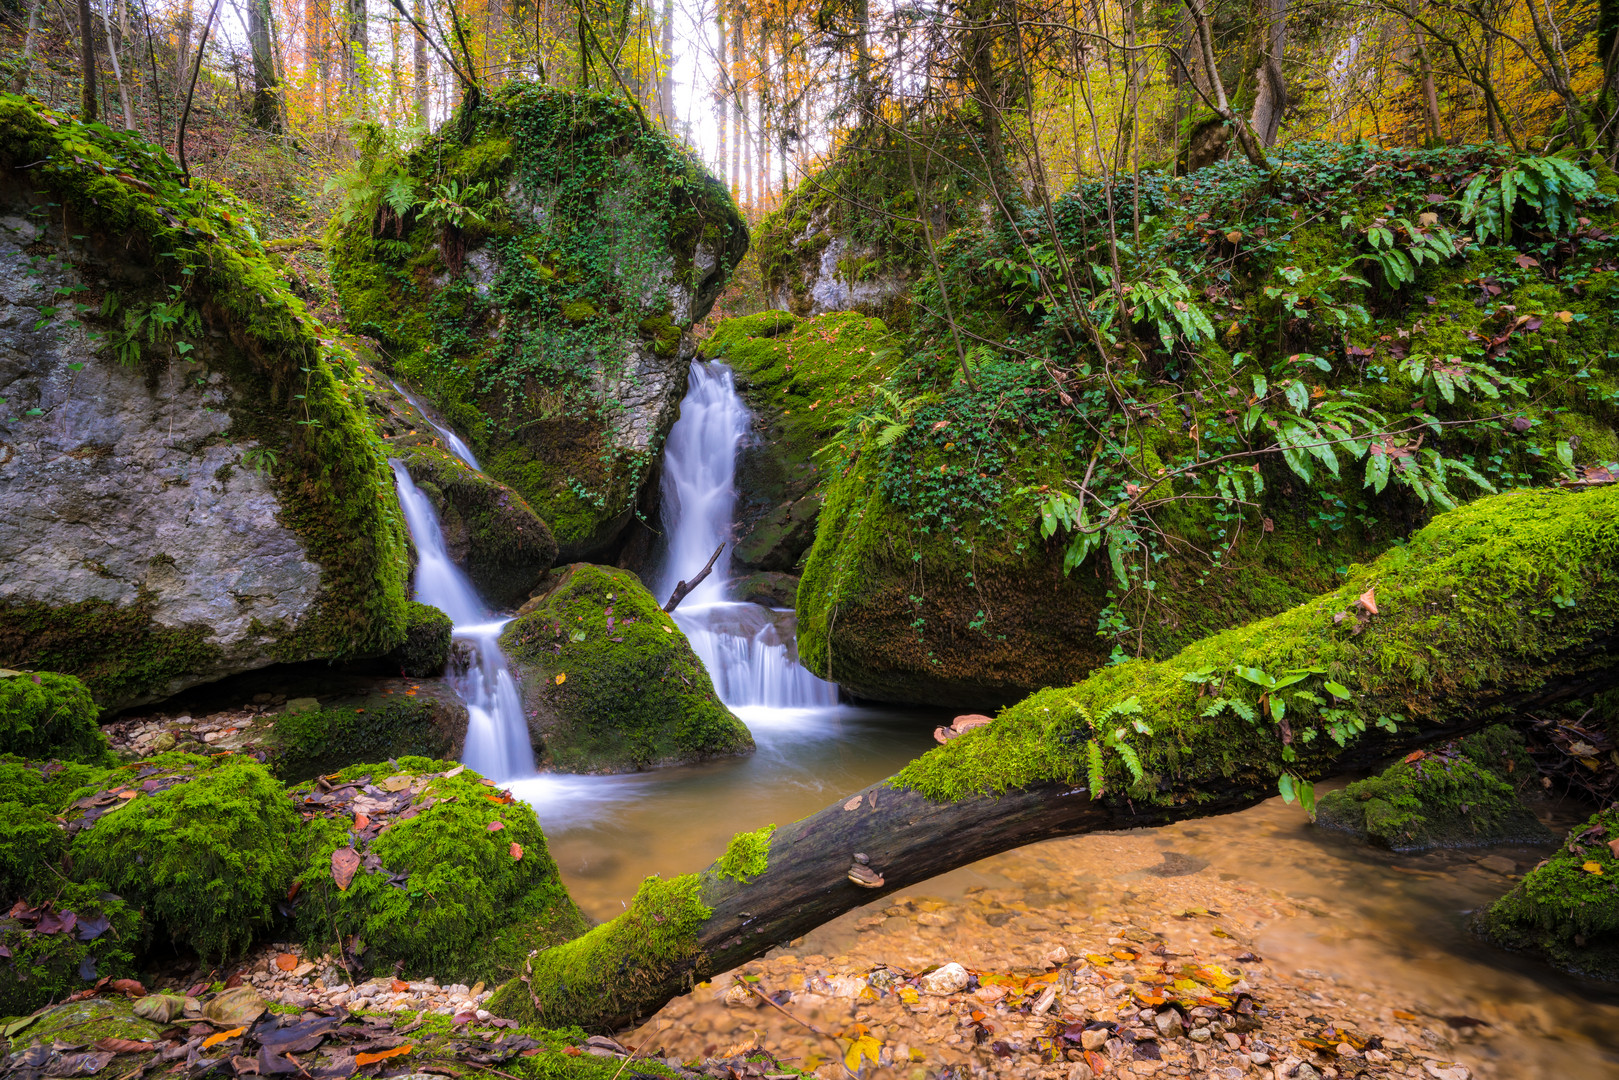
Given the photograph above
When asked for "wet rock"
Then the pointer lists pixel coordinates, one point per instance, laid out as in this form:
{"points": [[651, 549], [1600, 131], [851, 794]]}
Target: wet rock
{"points": [[1168, 1023], [1094, 1038], [949, 979]]}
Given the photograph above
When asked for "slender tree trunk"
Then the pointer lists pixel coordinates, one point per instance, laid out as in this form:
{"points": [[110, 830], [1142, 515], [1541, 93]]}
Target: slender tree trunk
{"points": [[358, 66], [1270, 85], [666, 67], [1456, 601], [864, 100], [88, 98], [117, 69], [1205, 41], [1430, 94], [739, 113], [419, 62], [721, 105], [182, 49], [266, 109], [19, 80]]}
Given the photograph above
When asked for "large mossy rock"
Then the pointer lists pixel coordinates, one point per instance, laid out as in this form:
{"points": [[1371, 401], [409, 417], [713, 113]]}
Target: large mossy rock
{"points": [[540, 290], [800, 378], [448, 877], [1465, 793], [189, 489], [1567, 908], [489, 529], [427, 720], [943, 569], [610, 683]]}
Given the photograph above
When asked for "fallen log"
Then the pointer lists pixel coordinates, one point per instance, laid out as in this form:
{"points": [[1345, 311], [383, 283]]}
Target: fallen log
{"points": [[1507, 603], [685, 587]]}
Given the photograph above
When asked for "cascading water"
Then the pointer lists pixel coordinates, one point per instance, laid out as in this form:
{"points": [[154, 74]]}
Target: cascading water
{"points": [[497, 738], [743, 646], [457, 445]]}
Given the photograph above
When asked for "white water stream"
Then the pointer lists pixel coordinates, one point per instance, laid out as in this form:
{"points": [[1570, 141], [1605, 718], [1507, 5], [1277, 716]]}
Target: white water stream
{"points": [[742, 645], [457, 445]]}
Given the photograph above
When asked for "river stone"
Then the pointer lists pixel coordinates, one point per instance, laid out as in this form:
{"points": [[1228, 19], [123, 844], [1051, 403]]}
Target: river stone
{"points": [[126, 488], [949, 979]]}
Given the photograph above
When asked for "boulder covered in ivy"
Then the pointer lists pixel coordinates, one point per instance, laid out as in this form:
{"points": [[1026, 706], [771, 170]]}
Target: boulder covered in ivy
{"points": [[189, 489], [536, 277], [610, 683], [1288, 376]]}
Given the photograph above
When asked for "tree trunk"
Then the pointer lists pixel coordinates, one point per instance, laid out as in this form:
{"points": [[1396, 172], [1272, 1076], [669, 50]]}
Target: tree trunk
{"points": [[357, 64], [419, 64], [87, 63], [1430, 641], [1270, 86], [1430, 95], [1251, 148], [182, 48], [666, 64], [266, 110], [741, 152], [722, 102], [118, 69], [19, 80], [864, 101]]}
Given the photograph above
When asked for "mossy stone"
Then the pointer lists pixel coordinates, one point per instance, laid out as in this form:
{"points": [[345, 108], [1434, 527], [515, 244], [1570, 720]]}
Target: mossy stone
{"points": [[1567, 908], [47, 715], [207, 860], [428, 720], [465, 904], [427, 644], [610, 683], [42, 968]]}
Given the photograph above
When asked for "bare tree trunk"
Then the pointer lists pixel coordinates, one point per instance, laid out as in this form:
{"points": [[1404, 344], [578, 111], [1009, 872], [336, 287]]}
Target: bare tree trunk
{"points": [[182, 48], [722, 103], [495, 54], [1430, 95], [1270, 90], [358, 64], [739, 115], [666, 64], [862, 62], [19, 80], [88, 98], [419, 63], [1222, 106], [118, 69]]}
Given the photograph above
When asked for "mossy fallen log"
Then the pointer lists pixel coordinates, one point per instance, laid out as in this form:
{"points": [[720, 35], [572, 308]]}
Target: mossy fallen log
{"points": [[1501, 604]]}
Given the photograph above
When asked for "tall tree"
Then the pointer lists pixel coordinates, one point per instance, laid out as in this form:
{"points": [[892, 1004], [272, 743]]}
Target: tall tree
{"points": [[266, 109], [87, 56], [419, 61], [723, 97], [19, 78], [117, 66], [666, 67], [357, 62], [1270, 86]]}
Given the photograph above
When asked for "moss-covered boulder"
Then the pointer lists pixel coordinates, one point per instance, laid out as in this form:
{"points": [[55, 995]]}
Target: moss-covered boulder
{"points": [[392, 721], [1458, 795], [32, 841], [191, 488], [539, 289], [430, 867], [66, 942], [610, 683], [47, 715], [426, 648], [204, 847], [1567, 908], [800, 378], [489, 529], [1262, 400]]}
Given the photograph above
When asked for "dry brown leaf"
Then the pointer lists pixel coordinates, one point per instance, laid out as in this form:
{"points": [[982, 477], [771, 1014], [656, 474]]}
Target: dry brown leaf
{"points": [[124, 1046], [286, 961], [1368, 600], [345, 861], [516, 850]]}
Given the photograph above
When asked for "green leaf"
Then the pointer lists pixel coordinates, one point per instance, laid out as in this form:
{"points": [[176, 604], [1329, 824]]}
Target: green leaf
{"points": [[1337, 690], [1093, 768], [1284, 784]]}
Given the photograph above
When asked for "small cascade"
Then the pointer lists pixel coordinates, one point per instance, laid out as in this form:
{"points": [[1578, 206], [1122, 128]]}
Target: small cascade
{"points": [[497, 737], [747, 649], [457, 445]]}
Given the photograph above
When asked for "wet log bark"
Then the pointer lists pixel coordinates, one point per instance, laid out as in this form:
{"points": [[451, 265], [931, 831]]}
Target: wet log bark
{"points": [[1454, 631], [684, 588]]}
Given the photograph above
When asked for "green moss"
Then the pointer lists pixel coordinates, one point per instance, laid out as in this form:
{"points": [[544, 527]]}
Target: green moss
{"points": [[578, 311], [489, 529], [46, 715], [1443, 798], [603, 972], [609, 681], [746, 856], [465, 905], [41, 968], [1567, 908], [1465, 605], [427, 643], [375, 727], [206, 859], [664, 334], [291, 395]]}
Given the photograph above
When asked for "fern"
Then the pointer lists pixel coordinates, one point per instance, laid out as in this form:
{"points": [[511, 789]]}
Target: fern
{"points": [[1093, 768]]}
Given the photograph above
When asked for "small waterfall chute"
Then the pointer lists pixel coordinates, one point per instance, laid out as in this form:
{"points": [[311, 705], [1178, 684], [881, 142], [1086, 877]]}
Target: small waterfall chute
{"points": [[456, 444], [497, 743], [747, 649]]}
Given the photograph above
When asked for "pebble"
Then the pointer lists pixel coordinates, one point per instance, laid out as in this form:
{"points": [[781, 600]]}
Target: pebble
{"points": [[949, 979]]}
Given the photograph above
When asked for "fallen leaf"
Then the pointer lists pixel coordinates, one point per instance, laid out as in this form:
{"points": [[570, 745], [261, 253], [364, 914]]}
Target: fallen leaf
{"points": [[286, 961], [345, 861], [1564, 316], [215, 1040], [1613, 846], [1235, 236], [1526, 261], [129, 987], [397, 782], [241, 1005], [562, 677], [1368, 600], [124, 1046], [865, 1046], [852, 804], [1415, 756], [1401, 1014], [495, 826], [400, 986], [381, 1055], [457, 771], [516, 850], [361, 821], [1592, 867]]}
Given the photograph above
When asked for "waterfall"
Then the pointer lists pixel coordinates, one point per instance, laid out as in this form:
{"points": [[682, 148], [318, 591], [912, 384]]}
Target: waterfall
{"points": [[457, 445], [497, 737], [745, 647]]}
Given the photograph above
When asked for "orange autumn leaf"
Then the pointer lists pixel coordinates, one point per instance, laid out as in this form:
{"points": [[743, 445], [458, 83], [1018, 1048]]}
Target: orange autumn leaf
{"points": [[516, 850], [381, 1055], [286, 961], [215, 1040]]}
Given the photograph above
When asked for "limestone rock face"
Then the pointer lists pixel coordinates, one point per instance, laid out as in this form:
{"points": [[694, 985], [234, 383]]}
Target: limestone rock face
{"points": [[826, 276], [119, 484]]}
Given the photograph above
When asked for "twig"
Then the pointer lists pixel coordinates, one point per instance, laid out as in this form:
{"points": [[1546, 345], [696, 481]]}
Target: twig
{"points": [[685, 587], [646, 1042], [180, 136]]}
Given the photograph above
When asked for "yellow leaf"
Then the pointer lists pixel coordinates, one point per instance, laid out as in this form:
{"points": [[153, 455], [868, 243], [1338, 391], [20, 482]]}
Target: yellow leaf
{"points": [[562, 677], [1592, 867], [908, 995], [215, 1040], [1565, 316], [1098, 958], [866, 1047]]}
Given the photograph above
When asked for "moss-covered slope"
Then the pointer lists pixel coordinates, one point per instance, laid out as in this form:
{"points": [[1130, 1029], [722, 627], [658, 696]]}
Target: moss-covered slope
{"points": [[1283, 381], [192, 412], [536, 283], [610, 683]]}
